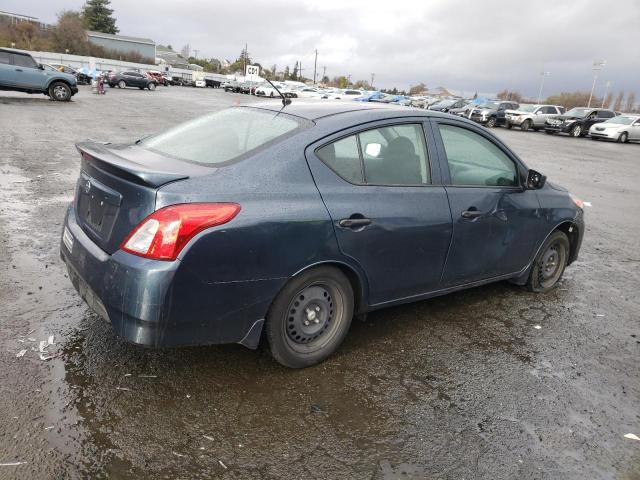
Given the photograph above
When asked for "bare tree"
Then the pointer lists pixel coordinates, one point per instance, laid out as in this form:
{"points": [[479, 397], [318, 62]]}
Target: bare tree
{"points": [[617, 106], [69, 33], [186, 51], [631, 102], [608, 100]]}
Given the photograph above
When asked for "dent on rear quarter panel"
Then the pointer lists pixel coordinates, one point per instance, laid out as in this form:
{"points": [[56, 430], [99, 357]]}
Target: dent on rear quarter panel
{"points": [[282, 227]]}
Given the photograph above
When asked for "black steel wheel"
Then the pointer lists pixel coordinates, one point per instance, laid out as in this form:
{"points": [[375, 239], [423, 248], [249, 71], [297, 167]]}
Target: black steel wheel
{"points": [[550, 263], [310, 317]]}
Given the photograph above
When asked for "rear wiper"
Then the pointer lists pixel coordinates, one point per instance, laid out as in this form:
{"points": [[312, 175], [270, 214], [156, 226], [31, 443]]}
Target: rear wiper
{"points": [[285, 101]]}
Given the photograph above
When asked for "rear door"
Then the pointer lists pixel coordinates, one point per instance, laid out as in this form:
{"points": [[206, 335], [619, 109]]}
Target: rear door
{"points": [[496, 223], [7, 70], [390, 213], [634, 131]]}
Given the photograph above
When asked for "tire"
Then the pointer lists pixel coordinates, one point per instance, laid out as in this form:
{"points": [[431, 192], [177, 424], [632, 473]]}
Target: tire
{"points": [[271, 94], [549, 264], [508, 126], [623, 138], [576, 131], [60, 92], [151, 86], [595, 138], [141, 88], [122, 84], [525, 126], [491, 122], [323, 298], [549, 132]]}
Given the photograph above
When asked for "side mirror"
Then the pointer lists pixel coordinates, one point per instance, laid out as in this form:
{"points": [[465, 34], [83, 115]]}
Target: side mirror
{"points": [[373, 149], [40, 66], [535, 180]]}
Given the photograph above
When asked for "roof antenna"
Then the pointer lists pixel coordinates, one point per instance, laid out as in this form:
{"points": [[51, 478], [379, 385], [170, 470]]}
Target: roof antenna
{"points": [[285, 101]]}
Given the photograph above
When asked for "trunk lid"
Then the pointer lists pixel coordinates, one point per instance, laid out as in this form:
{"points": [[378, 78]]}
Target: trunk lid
{"points": [[117, 188]]}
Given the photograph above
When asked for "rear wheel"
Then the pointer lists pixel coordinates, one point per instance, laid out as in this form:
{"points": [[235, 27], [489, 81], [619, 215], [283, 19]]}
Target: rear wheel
{"points": [[576, 131], [122, 84], [310, 317], [624, 136], [526, 125], [508, 126], [60, 92], [550, 263]]}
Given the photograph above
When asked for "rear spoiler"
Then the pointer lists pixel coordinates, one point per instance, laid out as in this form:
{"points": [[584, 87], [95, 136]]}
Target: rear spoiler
{"points": [[137, 164]]}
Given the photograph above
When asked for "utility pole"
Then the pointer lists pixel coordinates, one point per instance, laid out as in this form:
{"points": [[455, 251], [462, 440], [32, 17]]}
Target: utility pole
{"points": [[373, 75], [244, 59], [315, 65], [606, 88], [300, 70], [542, 75], [324, 72], [597, 66], [195, 53], [349, 80]]}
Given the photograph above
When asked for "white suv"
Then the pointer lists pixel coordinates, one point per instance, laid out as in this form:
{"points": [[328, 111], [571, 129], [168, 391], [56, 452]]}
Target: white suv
{"points": [[529, 117]]}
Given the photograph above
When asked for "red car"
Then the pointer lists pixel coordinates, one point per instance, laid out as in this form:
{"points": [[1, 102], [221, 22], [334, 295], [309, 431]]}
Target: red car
{"points": [[158, 77]]}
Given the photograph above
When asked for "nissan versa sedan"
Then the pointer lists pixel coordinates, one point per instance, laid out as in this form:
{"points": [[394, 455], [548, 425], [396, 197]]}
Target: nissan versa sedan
{"points": [[622, 128], [288, 221]]}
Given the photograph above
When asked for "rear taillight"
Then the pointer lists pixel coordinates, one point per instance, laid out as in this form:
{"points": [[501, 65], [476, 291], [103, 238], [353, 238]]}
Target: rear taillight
{"points": [[164, 233]]}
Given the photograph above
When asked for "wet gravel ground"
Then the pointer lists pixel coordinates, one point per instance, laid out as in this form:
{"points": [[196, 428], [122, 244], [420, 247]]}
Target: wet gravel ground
{"points": [[491, 383]]}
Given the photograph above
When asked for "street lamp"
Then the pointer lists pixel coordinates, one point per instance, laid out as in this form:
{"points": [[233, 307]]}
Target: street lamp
{"points": [[597, 66], [542, 75], [606, 88]]}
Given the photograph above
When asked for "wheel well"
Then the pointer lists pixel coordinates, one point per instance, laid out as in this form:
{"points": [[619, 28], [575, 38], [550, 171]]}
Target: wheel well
{"points": [[570, 229], [58, 80], [354, 280]]}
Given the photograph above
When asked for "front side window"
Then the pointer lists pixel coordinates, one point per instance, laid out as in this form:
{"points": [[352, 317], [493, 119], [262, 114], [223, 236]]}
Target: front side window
{"points": [[475, 160], [24, 61], [223, 136], [395, 155]]}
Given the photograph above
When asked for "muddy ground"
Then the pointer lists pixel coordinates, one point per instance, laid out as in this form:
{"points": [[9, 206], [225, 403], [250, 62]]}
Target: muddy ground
{"points": [[492, 383]]}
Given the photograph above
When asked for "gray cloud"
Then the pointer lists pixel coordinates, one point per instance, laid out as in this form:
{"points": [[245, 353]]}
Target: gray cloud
{"points": [[464, 45]]}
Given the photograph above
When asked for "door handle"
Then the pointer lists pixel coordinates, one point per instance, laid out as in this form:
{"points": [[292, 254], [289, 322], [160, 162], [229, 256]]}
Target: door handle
{"points": [[18, 69], [354, 222], [471, 214]]}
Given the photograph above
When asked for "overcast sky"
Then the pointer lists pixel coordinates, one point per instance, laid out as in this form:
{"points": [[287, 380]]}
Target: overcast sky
{"points": [[463, 45]]}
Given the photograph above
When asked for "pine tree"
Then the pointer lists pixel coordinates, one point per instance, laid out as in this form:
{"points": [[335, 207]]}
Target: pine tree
{"points": [[98, 16]]}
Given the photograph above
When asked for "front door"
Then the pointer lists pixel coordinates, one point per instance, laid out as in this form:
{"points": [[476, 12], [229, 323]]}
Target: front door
{"points": [[495, 221], [27, 73], [634, 131], [389, 211]]}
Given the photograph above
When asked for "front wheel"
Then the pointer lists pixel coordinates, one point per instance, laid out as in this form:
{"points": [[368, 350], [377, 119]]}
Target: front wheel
{"points": [[576, 131], [549, 264], [624, 136], [526, 125], [151, 86], [60, 92], [491, 122], [310, 317], [122, 84]]}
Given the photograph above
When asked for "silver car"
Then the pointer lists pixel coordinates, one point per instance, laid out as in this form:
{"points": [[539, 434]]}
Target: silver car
{"points": [[620, 129], [529, 117]]}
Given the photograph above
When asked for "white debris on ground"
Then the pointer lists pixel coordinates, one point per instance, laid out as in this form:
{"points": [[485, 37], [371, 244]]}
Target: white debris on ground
{"points": [[42, 349], [632, 436]]}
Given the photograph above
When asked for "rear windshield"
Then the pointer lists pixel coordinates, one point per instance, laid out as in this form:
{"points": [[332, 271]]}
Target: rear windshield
{"points": [[223, 136]]}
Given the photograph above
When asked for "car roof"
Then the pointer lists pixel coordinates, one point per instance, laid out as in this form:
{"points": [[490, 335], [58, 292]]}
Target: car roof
{"points": [[323, 108], [14, 50]]}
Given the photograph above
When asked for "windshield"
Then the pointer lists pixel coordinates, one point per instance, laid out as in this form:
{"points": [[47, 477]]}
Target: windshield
{"points": [[621, 120], [490, 105], [578, 112], [445, 103], [527, 108], [222, 136]]}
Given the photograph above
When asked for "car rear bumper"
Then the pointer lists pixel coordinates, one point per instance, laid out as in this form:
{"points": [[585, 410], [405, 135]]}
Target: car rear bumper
{"points": [[158, 303]]}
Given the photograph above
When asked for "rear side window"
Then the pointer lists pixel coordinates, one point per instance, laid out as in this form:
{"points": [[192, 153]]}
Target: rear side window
{"points": [[395, 155], [24, 61], [223, 136], [476, 161], [5, 58]]}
